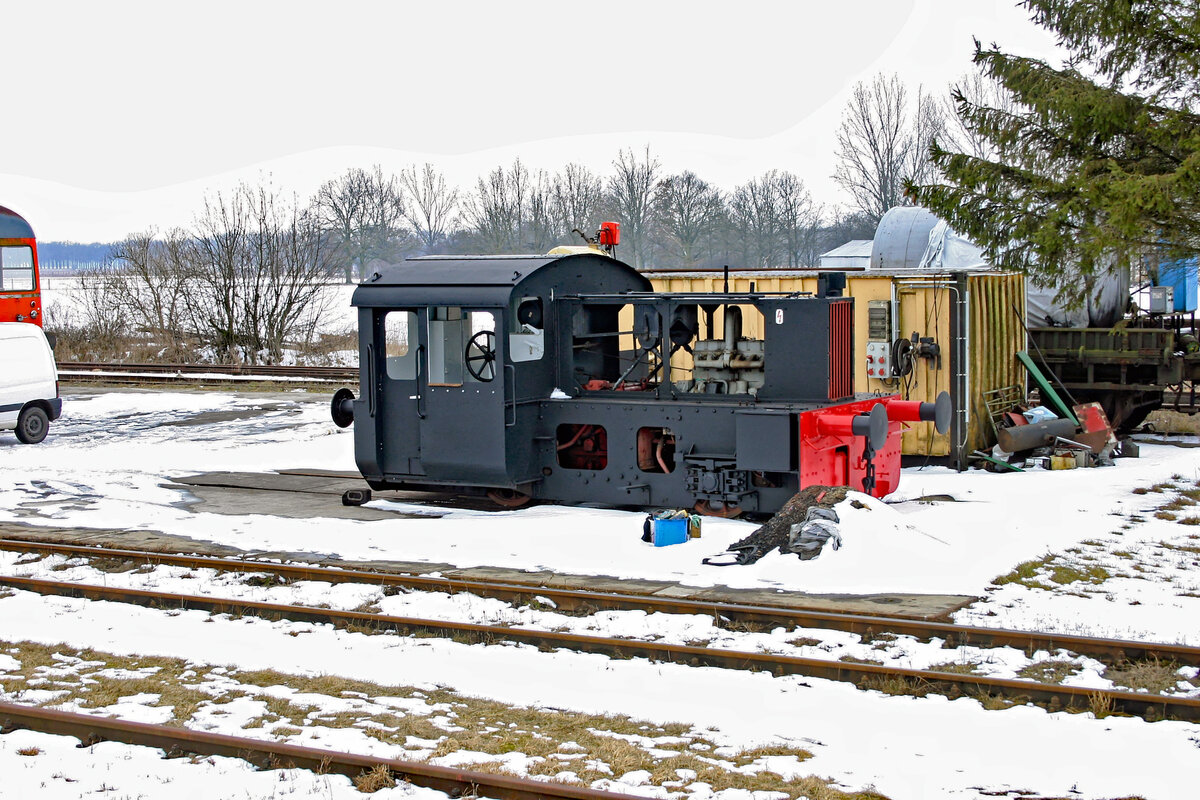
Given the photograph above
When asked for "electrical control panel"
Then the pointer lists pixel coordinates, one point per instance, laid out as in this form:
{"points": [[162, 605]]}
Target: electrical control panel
{"points": [[1162, 299], [879, 320], [879, 360]]}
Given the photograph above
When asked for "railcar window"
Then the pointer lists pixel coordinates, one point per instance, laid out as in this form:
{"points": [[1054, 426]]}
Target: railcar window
{"points": [[480, 347], [527, 340], [400, 332], [456, 336], [16, 268]]}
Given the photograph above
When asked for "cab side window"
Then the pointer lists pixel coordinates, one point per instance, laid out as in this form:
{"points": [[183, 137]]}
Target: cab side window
{"points": [[400, 344]]}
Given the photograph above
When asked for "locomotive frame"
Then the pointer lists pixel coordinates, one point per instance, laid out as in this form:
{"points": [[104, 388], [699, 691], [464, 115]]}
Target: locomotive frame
{"points": [[566, 378]]}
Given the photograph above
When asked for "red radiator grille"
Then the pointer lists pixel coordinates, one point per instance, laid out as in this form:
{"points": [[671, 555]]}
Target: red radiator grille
{"points": [[841, 349]]}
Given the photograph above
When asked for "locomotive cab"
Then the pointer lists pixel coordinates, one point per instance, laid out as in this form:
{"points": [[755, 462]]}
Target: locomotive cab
{"points": [[455, 358]]}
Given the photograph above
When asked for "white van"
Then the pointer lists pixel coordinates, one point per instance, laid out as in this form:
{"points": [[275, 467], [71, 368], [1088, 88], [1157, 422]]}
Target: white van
{"points": [[28, 382]]}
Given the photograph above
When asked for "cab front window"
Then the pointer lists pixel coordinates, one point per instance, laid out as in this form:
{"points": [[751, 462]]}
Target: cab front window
{"points": [[16, 268]]}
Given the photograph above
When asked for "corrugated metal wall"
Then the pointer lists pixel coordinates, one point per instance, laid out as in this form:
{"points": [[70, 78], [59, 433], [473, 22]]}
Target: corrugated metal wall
{"points": [[995, 337]]}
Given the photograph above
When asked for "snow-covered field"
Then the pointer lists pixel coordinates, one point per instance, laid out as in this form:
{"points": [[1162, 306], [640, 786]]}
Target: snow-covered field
{"points": [[64, 293], [106, 460]]}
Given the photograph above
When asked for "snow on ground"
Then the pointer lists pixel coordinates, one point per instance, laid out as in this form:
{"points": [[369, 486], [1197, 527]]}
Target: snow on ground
{"points": [[906, 747], [105, 461], [55, 768], [680, 629]]}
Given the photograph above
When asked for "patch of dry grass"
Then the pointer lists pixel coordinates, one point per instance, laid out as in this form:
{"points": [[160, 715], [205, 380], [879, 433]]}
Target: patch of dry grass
{"points": [[1153, 675], [1168, 421], [1027, 573], [958, 667], [849, 659], [1064, 574], [376, 779], [1053, 670], [608, 745], [804, 641], [1040, 573]]}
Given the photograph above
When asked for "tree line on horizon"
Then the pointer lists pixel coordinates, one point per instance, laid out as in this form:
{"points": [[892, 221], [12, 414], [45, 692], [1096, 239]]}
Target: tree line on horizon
{"points": [[1056, 172], [668, 220]]}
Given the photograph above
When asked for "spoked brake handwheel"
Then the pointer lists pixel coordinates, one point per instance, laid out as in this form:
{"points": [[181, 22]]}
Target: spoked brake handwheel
{"points": [[481, 356]]}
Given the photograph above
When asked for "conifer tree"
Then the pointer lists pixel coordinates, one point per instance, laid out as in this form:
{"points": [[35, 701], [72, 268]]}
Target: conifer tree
{"points": [[1099, 159]]}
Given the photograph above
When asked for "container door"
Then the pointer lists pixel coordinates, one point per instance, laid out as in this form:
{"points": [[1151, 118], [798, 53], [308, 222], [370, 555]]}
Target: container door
{"points": [[396, 371], [463, 383]]}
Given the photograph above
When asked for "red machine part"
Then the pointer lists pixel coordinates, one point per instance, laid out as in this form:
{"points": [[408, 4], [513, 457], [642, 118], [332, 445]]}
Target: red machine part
{"points": [[841, 343], [937, 412], [582, 447], [831, 454], [609, 234]]}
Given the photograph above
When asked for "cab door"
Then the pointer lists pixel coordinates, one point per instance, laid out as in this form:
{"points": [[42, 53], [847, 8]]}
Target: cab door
{"points": [[462, 387], [394, 355]]}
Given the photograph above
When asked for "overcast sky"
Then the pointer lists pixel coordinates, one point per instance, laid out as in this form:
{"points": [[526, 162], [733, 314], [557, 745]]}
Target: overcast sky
{"points": [[124, 114]]}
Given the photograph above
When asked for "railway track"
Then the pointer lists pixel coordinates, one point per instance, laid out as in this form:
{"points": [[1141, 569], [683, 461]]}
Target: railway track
{"points": [[587, 602], [1052, 696], [90, 729], [203, 374]]}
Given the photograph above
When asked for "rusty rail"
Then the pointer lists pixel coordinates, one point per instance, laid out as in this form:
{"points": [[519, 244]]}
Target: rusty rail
{"points": [[583, 601], [1150, 706], [275, 755], [95, 372]]}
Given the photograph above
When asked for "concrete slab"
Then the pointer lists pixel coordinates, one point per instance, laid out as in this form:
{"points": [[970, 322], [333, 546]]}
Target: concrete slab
{"points": [[292, 505], [924, 606], [209, 417], [327, 482], [274, 482]]}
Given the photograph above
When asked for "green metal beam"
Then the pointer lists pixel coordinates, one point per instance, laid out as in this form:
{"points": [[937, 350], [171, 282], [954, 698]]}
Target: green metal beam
{"points": [[1048, 394]]}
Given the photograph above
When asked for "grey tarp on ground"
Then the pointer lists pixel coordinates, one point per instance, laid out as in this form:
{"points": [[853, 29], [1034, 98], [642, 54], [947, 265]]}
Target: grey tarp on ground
{"points": [[807, 539]]}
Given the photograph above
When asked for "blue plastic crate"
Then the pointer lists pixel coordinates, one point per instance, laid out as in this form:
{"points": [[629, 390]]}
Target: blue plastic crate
{"points": [[669, 531]]}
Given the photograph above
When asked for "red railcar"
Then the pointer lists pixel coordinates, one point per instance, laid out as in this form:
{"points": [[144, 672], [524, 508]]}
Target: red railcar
{"points": [[20, 290]]}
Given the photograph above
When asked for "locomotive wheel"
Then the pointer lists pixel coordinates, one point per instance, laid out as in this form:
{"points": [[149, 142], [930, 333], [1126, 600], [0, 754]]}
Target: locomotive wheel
{"points": [[709, 510], [481, 356], [508, 498], [32, 425]]}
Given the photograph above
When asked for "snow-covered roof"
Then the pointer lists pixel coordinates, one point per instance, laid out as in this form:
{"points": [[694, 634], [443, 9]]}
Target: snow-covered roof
{"points": [[854, 254]]}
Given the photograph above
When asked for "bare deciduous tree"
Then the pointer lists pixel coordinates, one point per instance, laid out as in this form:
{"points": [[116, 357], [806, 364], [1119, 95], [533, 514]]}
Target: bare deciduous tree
{"points": [[216, 264], [153, 287], [103, 322], [432, 205], [874, 145], [256, 266], [577, 196], [928, 124], [631, 192], [689, 210], [285, 291], [799, 219], [494, 213], [541, 227], [754, 221], [366, 214], [978, 90]]}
